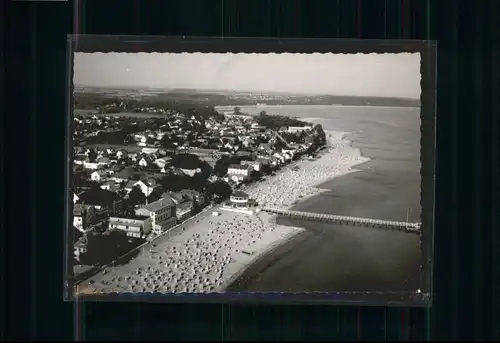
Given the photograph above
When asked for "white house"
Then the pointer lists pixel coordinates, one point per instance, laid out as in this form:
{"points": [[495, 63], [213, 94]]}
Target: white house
{"points": [[91, 165], [143, 162], [110, 186], [146, 187], [161, 162], [140, 138], [159, 135], [237, 172], [294, 129], [229, 145], [287, 156], [149, 150], [75, 198], [190, 172], [256, 165], [121, 154], [280, 157], [102, 161], [289, 151], [98, 175]]}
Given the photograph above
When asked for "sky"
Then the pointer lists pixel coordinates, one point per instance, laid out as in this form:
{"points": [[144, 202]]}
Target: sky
{"points": [[384, 75]]}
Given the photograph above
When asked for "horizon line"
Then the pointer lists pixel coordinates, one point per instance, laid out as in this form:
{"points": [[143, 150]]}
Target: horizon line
{"points": [[243, 91]]}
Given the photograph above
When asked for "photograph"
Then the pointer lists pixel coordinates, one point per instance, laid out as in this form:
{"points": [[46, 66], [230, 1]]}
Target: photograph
{"points": [[246, 173]]}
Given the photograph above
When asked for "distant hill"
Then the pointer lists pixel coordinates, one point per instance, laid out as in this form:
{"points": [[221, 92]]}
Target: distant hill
{"points": [[227, 98]]}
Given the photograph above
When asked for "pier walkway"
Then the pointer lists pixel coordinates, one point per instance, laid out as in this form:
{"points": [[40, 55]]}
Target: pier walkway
{"points": [[345, 220]]}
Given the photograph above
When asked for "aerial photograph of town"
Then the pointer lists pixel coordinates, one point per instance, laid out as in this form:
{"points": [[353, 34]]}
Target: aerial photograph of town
{"points": [[209, 173]]}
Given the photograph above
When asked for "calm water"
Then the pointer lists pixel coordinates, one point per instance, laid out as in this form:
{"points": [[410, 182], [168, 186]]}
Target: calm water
{"points": [[346, 258]]}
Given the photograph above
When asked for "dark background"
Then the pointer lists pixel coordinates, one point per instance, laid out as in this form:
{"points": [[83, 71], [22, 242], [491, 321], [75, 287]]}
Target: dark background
{"points": [[33, 42]]}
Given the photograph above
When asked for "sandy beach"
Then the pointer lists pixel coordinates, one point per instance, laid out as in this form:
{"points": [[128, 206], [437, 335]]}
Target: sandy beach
{"points": [[208, 252]]}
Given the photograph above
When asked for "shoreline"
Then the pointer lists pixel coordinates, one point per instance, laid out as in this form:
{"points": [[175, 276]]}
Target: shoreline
{"points": [[276, 249], [212, 254], [263, 108]]}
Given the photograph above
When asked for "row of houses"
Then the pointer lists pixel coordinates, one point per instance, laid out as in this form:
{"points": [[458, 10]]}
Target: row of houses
{"points": [[265, 156], [155, 217]]}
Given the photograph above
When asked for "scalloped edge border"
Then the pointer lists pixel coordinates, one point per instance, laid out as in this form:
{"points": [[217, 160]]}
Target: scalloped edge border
{"points": [[217, 45]]}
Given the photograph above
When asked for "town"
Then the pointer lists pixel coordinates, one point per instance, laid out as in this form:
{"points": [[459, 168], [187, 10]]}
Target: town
{"points": [[140, 170]]}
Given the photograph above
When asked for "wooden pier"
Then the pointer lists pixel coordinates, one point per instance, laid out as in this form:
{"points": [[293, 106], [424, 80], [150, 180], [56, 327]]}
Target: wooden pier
{"points": [[346, 220]]}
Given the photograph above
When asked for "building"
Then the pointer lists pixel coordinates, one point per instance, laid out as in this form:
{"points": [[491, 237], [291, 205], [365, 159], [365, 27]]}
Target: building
{"points": [[162, 162], [103, 161], [137, 227], [162, 213], [111, 186], [294, 129], [195, 196], [256, 165], [238, 173], [80, 159], [80, 247], [184, 210], [290, 151], [239, 202], [91, 165], [191, 172], [149, 150], [121, 154], [146, 186], [98, 175], [124, 175]]}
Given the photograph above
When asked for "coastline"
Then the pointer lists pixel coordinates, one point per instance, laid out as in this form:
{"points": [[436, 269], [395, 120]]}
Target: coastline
{"points": [[275, 250], [211, 254]]}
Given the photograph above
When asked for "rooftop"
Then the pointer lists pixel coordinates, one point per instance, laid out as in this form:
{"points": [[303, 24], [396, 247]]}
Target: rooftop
{"points": [[158, 204], [240, 194], [126, 221], [237, 166]]}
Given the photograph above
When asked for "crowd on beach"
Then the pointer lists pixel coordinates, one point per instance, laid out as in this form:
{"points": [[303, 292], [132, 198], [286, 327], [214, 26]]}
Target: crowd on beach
{"points": [[200, 259], [291, 185], [213, 250]]}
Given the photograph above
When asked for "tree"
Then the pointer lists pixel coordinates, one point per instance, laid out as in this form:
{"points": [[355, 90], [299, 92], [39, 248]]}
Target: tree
{"points": [[135, 197], [266, 169], [256, 174], [155, 194], [237, 110], [221, 189], [175, 183], [279, 144], [92, 155], [154, 168], [186, 161], [98, 196], [103, 249], [76, 234], [166, 142]]}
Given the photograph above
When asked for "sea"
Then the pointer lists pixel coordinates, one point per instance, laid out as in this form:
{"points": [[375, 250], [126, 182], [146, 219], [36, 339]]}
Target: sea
{"points": [[337, 258]]}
